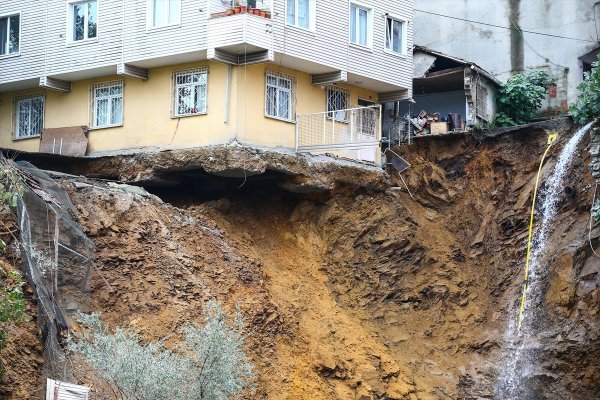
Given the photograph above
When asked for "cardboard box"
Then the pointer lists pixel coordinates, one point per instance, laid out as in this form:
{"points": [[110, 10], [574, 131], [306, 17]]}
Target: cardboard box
{"points": [[438, 128]]}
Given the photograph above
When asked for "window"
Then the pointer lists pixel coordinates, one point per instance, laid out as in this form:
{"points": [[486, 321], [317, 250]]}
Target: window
{"points": [[360, 25], [29, 115], [9, 34], [164, 13], [107, 104], [83, 20], [279, 96], [190, 92], [301, 13], [394, 35], [481, 103], [337, 103]]}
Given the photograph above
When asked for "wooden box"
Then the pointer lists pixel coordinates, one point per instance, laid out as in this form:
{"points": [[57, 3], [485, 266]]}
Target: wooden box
{"points": [[438, 128]]}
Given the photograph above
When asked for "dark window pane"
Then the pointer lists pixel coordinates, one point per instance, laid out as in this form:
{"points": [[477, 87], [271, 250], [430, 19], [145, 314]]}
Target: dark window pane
{"points": [[78, 22], [92, 19], [3, 38], [13, 35]]}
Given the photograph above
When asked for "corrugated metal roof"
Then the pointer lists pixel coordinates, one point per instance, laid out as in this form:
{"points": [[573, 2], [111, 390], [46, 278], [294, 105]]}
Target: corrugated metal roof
{"points": [[56, 390]]}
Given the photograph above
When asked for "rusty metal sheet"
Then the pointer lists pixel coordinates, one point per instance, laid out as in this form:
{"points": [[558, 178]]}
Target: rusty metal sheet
{"points": [[70, 141]]}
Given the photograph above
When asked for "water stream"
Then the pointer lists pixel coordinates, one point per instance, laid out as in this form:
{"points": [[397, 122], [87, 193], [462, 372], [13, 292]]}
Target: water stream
{"points": [[519, 363]]}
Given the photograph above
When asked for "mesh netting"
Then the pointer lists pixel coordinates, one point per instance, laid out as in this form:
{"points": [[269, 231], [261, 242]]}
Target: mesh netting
{"points": [[57, 259]]}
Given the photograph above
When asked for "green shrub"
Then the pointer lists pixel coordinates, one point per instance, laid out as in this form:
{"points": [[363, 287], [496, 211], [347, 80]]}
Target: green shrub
{"points": [[210, 365], [521, 96], [12, 305], [587, 105]]}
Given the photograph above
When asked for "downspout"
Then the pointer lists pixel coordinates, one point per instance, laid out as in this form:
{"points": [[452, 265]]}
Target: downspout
{"points": [[227, 94]]}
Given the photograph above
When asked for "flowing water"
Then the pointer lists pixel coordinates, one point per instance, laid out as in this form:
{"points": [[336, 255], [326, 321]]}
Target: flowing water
{"points": [[521, 348]]}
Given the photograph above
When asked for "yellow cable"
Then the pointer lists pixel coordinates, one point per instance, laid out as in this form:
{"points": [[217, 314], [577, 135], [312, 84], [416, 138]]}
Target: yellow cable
{"points": [[551, 139]]}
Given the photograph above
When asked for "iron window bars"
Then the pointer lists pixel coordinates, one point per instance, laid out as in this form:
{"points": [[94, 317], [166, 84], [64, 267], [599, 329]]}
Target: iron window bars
{"points": [[190, 92], [29, 115], [280, 96], [107, 104]]}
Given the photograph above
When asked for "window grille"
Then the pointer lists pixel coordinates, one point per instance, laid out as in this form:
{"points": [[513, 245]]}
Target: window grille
{"points": [[107, 104], [10, 27], [338, 100], [280, 96], [482, 95], [29, 115], [83, 20], [190, 92]]}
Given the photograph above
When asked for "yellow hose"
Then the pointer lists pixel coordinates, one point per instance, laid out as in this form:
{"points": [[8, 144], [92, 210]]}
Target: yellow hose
{"points": [[551, 139]]}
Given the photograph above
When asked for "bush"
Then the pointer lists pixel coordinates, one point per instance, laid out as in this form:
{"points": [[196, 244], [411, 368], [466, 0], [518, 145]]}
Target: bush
{"points": [[12, 305], [521, 97], [587, 105], [210, 364]]}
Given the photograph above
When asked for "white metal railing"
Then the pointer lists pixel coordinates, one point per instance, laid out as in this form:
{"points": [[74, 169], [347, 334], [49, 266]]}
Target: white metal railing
{"points": [[352, 128]]}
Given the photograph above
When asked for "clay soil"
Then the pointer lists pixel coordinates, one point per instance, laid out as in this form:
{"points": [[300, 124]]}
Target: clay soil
{"points": [[360, 294]]}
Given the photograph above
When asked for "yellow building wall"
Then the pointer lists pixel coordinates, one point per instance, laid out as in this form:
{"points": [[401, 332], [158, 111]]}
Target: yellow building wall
{"points": [[147, 107]]}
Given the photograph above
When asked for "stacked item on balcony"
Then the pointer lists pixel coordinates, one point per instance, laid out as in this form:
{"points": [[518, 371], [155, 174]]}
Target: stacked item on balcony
{"points": [[435, 124]]}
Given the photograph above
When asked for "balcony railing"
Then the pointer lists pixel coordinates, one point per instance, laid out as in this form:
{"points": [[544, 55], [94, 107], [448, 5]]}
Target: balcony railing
{"points": [[353, 128]]}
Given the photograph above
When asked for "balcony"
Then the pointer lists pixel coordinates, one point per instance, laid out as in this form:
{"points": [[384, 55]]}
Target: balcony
{"points": [[239, 38], [355, 132]]}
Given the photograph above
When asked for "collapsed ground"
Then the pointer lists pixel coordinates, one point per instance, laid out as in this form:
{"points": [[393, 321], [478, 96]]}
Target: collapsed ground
{"points": [[357, 292]]}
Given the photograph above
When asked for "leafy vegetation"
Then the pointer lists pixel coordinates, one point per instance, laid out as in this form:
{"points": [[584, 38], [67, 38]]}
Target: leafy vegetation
{"points": [[587, 105], [521, 97], [210, 365], [12, 306]]}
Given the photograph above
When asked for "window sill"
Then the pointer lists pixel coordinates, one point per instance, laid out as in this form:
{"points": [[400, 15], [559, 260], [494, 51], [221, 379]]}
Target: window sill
{"points": [[4, 56], [368, 49], [395, 54], [81, 42], [310, 31], [96, 128], [17, 139], [151, 29], [289, 121], [189, 115]]}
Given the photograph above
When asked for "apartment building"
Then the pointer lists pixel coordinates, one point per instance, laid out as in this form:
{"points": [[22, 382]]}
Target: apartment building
{"points": [[307, 75]]}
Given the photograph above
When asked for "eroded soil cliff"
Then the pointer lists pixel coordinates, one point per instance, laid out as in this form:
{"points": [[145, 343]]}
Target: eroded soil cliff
{"points": [[362, 294]]}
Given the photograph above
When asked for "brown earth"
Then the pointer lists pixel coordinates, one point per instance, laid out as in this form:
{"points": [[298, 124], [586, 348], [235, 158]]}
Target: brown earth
{"points": [[362, 294]]}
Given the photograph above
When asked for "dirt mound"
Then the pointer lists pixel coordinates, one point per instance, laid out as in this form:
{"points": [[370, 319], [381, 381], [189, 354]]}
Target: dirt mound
{"points": [[363, 294]]}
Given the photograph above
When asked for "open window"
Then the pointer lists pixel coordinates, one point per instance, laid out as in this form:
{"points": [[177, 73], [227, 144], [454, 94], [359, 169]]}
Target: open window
{"points": [[163, 13], [395, 35], [83, 20], [10, 34], [29, 116]]}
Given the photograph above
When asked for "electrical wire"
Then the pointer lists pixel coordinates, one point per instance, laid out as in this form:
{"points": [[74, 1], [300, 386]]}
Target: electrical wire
{"points": [[504, 27], [518, 28]]}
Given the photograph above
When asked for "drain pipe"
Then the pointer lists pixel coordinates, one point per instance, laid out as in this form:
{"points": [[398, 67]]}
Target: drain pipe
{"points": [[227, 85]]}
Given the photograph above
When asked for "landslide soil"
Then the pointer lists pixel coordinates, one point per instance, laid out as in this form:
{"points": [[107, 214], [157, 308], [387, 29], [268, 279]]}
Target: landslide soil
{"points": [[362, 295]]}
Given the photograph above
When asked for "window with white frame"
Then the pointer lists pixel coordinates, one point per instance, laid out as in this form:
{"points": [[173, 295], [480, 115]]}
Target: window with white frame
{"points": [[301, 13], [338, 100], [360, 24], [83, 20], [280, 96], [107, 104], [394, 35], [10, 27], [163, 13], [190, 92], [29, 115]]}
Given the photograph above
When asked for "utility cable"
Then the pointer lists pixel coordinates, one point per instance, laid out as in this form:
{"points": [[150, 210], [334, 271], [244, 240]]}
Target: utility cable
{"points": [[518, 28], [504, 27], [551, 139]]}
